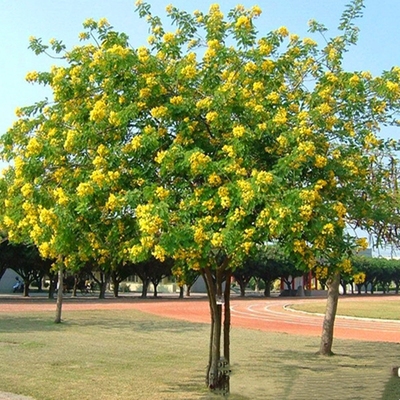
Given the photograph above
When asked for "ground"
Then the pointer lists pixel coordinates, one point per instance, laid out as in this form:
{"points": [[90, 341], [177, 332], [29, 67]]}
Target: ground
{"points": [[263, 314]]}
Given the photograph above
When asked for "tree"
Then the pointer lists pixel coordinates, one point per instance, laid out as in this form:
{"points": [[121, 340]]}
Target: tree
{"points": [[269, 264], [243, 276], [184, 277], [25, 261], [208, 142]]}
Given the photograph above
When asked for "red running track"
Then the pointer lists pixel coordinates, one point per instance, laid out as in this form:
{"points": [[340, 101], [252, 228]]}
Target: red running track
{"points": [[274, 315]]}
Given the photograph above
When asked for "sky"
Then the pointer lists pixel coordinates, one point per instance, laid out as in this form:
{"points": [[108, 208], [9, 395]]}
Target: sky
{"points": [[377, 50]]}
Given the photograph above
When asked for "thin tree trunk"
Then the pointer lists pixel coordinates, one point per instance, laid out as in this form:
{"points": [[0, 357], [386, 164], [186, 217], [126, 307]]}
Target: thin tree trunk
{"points": [[330, 314], [155, 293], [26, 288], [181, 292], [267, 289], [242, 286], [145, 286], [215, 336], [59, 293], [116, 289], [227, 316]]}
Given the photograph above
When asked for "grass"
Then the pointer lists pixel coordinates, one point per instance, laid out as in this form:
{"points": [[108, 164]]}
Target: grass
{"points": [[131, 355], [380, 309]]}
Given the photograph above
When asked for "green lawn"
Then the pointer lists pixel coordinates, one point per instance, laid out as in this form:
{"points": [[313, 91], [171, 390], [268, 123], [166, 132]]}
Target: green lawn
{"points": [[382, 309], [99, 355]]}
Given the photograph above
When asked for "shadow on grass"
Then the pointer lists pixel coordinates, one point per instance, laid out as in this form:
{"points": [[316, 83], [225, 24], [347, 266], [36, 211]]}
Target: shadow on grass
{"points": [[138, 322], [392, 389]]}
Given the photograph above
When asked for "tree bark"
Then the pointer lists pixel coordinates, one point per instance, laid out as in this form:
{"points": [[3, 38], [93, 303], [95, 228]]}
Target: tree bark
{"points": [[267, 289], [145, 286], [218, 380], [330, 314], [59, 294]]}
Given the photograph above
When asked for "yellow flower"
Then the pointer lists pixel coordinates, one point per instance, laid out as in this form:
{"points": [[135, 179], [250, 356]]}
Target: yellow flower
{"points": [[359, 278], [256, 11], [204, 103], [309, 42], [273, 97], [280, 117], [258, 86], [328, 229], [217, 239], [168, 37], [214, 179], [362, 243], [33, 147], [176, 100], [160, 156], [211, 116], [282, 31], [198, 161], [32, 76], [223, 193], [136, 142], [159, 112], [238, 131], [98, 112], [243, 22], [354, 80], [159, 253], [264, 178], [320, 161], [161, 193], [143, 54], [227, 149], [27, 190], [60, 196], [84, 189]]}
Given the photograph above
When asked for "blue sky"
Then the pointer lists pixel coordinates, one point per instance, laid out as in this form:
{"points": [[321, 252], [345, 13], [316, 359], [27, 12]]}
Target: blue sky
{"points": [[377, 50]]}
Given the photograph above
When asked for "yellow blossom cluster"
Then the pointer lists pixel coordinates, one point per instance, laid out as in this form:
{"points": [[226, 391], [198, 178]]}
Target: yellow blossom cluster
{"points": [[148, 223], [223, 193], [246, 190], [198, 161], [99, 111], [359, 278]]}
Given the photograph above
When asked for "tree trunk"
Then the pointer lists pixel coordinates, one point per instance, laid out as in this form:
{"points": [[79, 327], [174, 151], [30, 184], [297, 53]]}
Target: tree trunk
{"points": [[145, 285], [188, 287], [116, 288], [181, 291], [59, 294], [217, 377], [75, 287], [242, 286], [267, 289], [155, 285], [26, 288], [52, 287], [103, 288], [330, 314]]}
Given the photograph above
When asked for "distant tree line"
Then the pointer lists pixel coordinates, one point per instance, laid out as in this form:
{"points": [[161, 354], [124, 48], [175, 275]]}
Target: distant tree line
{"points": [[262, 270]]}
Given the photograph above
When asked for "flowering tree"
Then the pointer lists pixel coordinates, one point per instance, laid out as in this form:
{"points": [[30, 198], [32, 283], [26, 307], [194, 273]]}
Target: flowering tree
{"points": [[208, 141]]}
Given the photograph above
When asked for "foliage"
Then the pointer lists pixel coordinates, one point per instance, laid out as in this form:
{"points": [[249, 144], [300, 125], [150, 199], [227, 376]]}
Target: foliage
{"points": [[198, 146]]}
